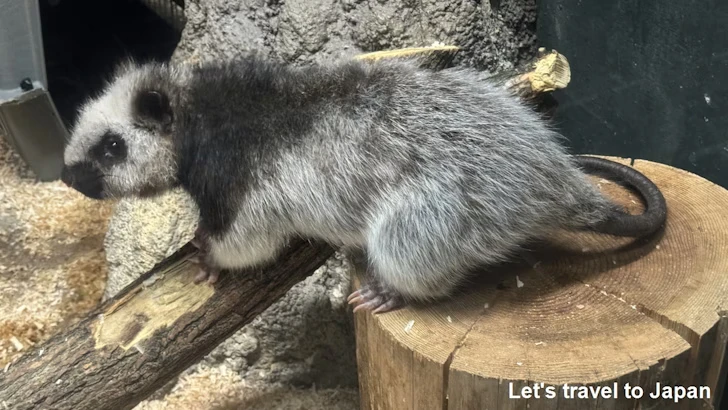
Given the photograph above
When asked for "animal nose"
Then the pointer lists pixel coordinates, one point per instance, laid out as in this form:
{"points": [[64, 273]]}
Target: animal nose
{"points": [[85, 178]]}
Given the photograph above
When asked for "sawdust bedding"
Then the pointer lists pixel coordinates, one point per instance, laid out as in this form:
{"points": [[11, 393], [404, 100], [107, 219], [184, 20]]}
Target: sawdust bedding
{"points": [[222, 389], [52, 265]]}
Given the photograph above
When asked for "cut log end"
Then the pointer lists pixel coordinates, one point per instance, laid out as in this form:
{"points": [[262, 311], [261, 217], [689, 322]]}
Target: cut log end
{"points": [[548, 72], [586, 309]]}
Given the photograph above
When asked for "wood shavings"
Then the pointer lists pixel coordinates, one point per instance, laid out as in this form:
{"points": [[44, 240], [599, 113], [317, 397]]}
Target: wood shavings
{"points": [[53, 266], [449, 319], [16, 343], [409, 325], [15, 336], [222, 388]]}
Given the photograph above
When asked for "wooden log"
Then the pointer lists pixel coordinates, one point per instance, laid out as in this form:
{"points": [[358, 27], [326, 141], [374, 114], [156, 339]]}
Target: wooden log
{"points": [[547, 72], [162, 323], [433, 57], [153, 330], [586, 310]]}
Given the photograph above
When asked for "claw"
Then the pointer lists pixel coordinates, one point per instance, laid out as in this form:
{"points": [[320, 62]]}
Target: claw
{"points": [[197, 243], [375, 300], [391, 304], [354, 295], [360, 294], [213, 276], [371, 304], [207, 274]]}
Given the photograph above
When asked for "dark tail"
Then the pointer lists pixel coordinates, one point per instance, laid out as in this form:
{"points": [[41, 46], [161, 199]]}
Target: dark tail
{"points": [[621, 223]]}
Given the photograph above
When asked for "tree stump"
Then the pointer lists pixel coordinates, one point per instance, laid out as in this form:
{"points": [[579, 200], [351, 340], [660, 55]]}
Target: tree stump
{"points": [[586, 310]]}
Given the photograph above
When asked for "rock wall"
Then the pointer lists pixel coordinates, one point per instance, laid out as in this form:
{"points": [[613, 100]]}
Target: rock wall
{"points": [[306, 338], [493, 35]]}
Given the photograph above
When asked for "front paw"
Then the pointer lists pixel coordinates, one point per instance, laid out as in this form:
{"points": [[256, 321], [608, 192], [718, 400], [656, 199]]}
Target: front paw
{"points": [[208, 272], [201, 240]]}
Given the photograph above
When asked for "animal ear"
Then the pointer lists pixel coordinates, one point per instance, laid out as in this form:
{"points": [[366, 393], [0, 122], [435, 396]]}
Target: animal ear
{"points": [[153, 108]]}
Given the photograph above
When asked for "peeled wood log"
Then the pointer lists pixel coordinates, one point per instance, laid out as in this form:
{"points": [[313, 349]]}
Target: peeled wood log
{"points": [[586, 310], [548, 71], [153, 330], [163, 323]]}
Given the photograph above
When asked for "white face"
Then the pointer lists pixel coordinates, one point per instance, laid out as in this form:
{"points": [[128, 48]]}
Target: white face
{"points": [[116, 149]]}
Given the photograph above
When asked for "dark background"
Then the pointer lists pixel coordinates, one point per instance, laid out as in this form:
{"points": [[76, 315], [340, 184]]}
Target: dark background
{"points": [[649, 79], [84, 40]]}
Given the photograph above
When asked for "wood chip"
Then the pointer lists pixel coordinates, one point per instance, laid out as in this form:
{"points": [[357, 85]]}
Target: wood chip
{"points": [[409, 326], [16, 343]]}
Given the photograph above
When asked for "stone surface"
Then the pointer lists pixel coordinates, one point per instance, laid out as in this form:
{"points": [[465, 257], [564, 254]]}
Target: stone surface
{"points": [[305, 31], [304, 339], [142, 232]]}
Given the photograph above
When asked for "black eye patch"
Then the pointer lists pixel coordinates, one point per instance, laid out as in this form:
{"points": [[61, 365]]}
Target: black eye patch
{"points": [[110, 150]]}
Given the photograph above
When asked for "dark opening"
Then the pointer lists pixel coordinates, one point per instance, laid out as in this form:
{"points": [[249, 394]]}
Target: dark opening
{"points": [[84, 40]]}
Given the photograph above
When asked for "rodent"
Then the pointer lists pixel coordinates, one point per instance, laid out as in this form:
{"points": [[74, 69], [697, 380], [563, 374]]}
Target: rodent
{"points": [[431, 172]]}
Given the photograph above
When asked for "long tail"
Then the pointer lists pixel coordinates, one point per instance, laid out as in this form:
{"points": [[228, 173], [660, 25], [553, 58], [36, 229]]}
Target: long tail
{"points": [[621, 223]]}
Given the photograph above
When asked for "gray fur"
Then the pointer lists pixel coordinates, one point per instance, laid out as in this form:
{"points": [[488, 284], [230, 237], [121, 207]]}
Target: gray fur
{"points": [[433, 173]]}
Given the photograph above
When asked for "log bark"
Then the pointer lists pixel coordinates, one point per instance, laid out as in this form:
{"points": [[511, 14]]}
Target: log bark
{"points": [[583, 310], [163, 323], [149, 333]]}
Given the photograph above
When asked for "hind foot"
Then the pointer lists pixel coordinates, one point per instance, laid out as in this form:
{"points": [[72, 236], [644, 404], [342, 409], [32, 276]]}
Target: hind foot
{"points": [[207, 272], [375, 299]]}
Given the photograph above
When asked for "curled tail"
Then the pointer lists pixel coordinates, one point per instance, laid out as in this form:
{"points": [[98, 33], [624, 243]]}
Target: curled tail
{"points": [[621, 223]]}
